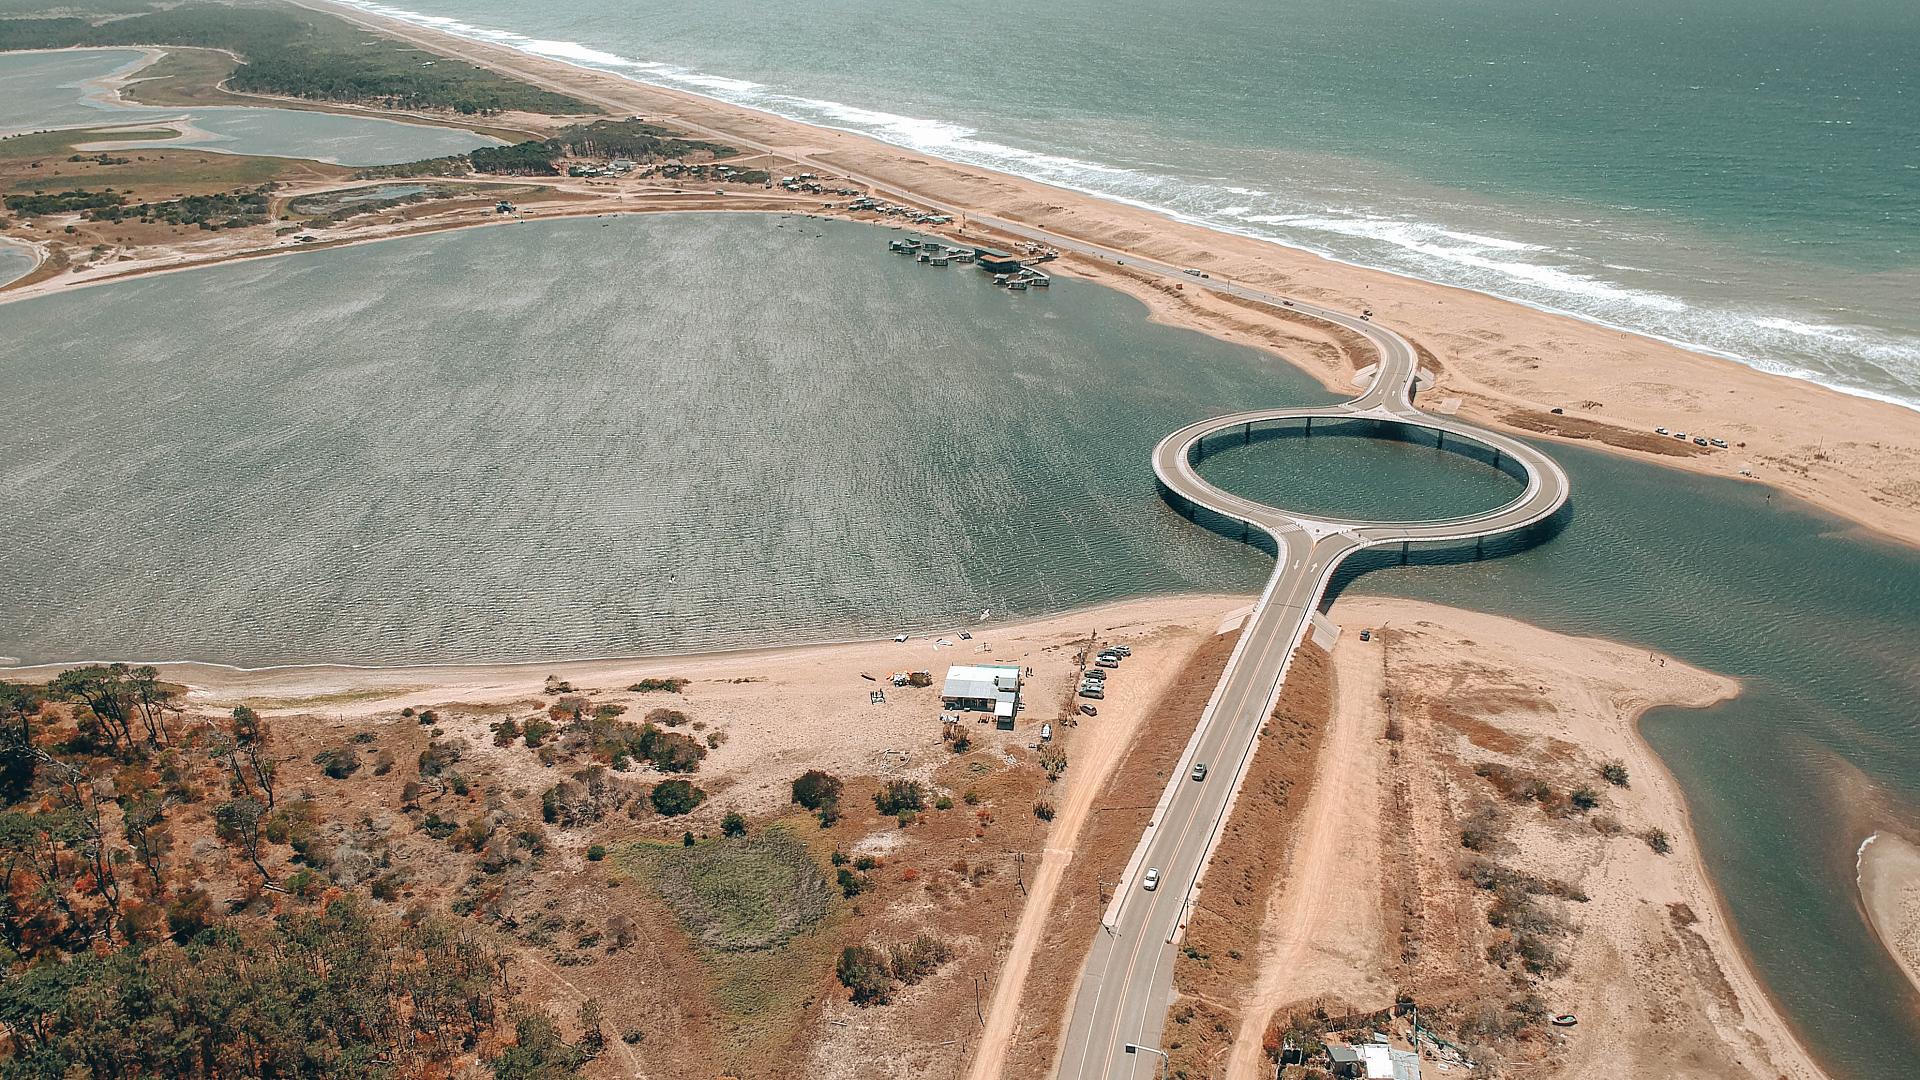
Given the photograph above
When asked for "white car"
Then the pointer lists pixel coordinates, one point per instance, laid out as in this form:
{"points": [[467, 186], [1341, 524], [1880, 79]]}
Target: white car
{"points": [[1152, 880]]}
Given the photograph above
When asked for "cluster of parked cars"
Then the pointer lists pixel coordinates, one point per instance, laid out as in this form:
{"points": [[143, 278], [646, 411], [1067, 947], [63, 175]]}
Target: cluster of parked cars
{"points": [[1093, 681], [1698, 440]]}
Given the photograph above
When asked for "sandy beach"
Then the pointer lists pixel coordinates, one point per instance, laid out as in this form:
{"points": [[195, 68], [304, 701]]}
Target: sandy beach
{"points": [[1653, 972], [1508, 365], [1497, 362], [1890, 893]]}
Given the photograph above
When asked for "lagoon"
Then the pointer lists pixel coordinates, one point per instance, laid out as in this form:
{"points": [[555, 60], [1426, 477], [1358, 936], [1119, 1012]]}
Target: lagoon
{"points": [[626, 435], [42, 90]]}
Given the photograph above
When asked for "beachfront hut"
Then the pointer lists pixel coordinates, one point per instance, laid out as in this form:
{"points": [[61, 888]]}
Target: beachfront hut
{"points": [[993, 260], [992, 688]]}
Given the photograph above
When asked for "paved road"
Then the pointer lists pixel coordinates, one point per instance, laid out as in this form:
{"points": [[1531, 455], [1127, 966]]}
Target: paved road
{"points": [[1124, 989], [1127, 983]]}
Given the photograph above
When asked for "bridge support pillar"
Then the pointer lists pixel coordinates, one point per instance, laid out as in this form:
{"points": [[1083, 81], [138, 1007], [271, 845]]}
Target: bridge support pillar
{"points": [[1309, 425], [1479, 543], [1443, 438], [1248, 432], [1405, 547], [1496, 457]]}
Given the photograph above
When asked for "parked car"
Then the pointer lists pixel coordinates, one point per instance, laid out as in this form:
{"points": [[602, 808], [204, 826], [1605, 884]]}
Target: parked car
{"points": [[1121, 650], [1366, 635], [1094, 673], [1200, 770], [1108, 662], [1092, 690], [1152, 880]]}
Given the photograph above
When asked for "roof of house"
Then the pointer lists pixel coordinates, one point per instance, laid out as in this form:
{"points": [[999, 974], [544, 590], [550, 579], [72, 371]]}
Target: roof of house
{"points": [[1378, 1060], [990, 681]]}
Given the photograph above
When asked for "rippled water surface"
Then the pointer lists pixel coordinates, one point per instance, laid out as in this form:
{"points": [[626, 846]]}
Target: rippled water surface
{"points": [[1359, 469], [587, 437]]}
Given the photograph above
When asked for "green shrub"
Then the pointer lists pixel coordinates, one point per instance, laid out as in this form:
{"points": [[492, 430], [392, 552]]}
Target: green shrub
{"points": [[675, 797]]}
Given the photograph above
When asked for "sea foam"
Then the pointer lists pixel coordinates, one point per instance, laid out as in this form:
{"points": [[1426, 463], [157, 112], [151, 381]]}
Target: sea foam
{"points": [[1856, 360]]}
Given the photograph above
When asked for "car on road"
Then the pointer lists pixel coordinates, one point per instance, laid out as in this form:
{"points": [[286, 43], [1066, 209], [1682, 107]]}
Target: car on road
{"points": [[1152, 880], [1200, 770]]}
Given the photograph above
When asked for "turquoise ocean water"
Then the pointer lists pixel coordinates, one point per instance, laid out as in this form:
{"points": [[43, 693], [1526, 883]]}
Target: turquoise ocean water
{"points": [[1739, 175]]}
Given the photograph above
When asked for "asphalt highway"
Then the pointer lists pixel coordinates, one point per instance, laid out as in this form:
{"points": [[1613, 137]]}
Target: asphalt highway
{"points": [[1126, 986]]}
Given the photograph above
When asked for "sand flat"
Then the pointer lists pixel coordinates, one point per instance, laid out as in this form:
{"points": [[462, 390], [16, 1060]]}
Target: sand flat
{"points": [[1890, 892]]}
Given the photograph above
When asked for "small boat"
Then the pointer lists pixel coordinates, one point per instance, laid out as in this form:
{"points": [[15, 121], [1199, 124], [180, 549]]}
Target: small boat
{"points": [[1017, 286]]}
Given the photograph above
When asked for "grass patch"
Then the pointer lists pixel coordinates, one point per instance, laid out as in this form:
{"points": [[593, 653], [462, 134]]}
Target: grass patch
{"points": [[183, 77], [42, 144], [737, 894], [759, 910]]}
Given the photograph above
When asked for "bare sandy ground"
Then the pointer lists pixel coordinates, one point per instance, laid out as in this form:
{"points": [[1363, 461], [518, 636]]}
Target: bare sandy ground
{"points": [[1656, 975], [1890, 891], [783, 710]]}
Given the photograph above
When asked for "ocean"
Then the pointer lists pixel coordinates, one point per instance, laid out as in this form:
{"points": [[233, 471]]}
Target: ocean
{"points": [[1739, 176]]}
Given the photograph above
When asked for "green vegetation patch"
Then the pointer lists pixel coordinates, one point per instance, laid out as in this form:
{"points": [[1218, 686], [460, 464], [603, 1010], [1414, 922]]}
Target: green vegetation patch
{"points": [[63, 202], [285, 50], [604, 140], [42, 144], [741, 893], [230, 210]]}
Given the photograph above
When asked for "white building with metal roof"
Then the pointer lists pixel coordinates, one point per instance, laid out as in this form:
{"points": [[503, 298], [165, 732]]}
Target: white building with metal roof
{"points": [[993, 688]]}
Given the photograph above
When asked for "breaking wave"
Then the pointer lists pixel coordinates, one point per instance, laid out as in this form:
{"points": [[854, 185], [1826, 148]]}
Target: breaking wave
{"points": [[1858, 360]]}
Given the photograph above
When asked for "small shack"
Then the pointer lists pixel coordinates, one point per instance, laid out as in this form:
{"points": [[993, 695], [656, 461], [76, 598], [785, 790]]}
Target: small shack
{"points": [[1373, 1061], [995, 261], [991, 688]]}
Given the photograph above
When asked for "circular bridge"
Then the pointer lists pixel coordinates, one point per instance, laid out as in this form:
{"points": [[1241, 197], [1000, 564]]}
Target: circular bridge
{"points": [[1121, 1003], [1176, 456]]}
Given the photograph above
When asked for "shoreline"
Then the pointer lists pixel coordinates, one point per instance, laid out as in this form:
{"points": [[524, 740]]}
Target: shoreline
{"points": [[240, 673], [1887, 876], [1514, 367], [1616, 731], [1099, 220], [498, 38]]}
